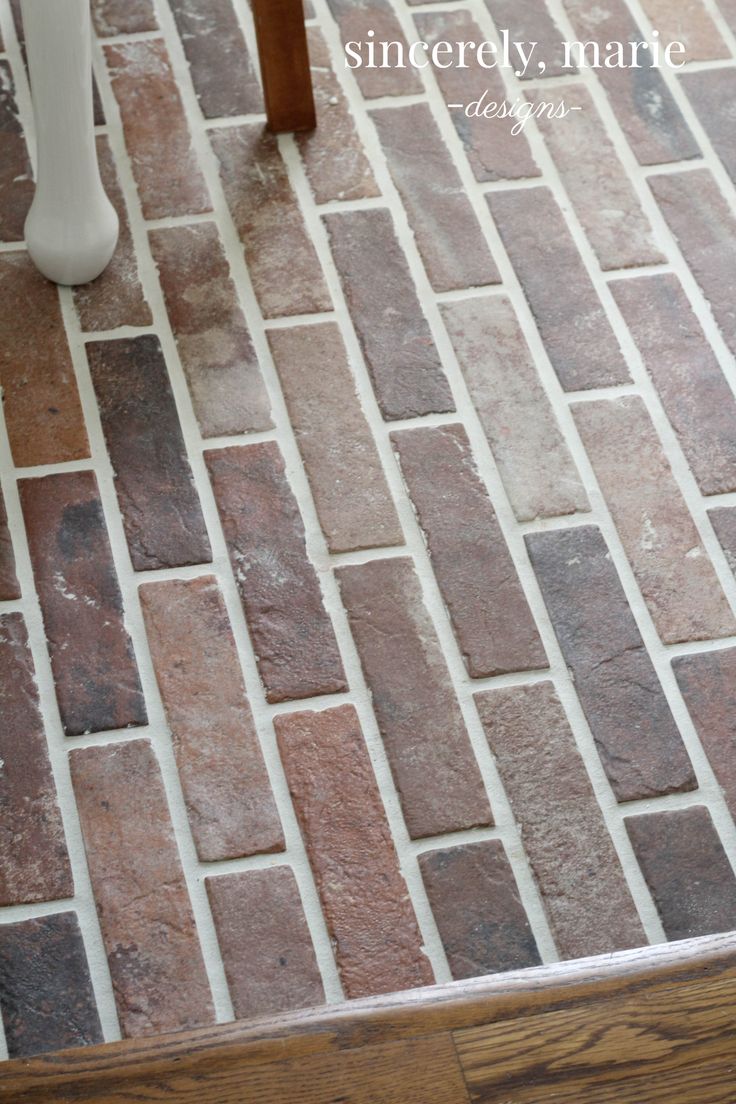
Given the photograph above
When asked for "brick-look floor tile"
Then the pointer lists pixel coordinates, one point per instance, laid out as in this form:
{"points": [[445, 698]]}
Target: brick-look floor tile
{"points": [[294, 640], [164, 163], [659, 536], [43, 414], [431, 758], [33, 858], [574, 328], [724, 523], [334, 159], [708, 685], [513, 408], [161, 512], [223, 74], [351, 495], [97, 683], [478, 911], [687, 870], [710, 93], [9, 585], [490, 616], [602, 195], [16, 178], [587, 901], [640, 98], [148, 928], [688, 22], [376, 940], [216, 351], [493, 151], [286, 273], [115, 298], [228, 795], [446, 228], [397, 343], [118, 17], [266, 947], [356, 18], [46, 995], [530, 21], [634, 730], [696, 397]]}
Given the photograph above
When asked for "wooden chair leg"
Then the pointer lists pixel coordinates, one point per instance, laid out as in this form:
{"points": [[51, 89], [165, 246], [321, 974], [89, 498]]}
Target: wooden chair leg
{"points": [[282, 48]]}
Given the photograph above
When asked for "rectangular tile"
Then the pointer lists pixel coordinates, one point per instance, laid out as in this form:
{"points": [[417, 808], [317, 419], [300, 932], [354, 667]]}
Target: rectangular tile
{"points": [[530, 21], [723, 521], [16, 177], [687, 22], [356, 19], [710, 92], [120, 17], [220, 65], [9, 585]]}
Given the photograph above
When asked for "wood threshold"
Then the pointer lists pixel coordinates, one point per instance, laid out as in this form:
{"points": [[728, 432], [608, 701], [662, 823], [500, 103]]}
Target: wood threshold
{"points": [[634, 1027]]}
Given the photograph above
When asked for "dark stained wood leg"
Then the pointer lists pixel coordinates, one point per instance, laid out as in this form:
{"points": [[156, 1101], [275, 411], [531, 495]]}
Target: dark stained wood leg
{"points": [[282, 48]]}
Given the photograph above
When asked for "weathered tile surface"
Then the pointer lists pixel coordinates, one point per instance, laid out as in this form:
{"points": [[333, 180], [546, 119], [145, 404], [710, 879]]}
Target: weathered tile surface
{"points": [[708, 685], [9, 585], [355, 19], [530, 21], [119, 17], [711, 93], [223, 74], [16, 179]]}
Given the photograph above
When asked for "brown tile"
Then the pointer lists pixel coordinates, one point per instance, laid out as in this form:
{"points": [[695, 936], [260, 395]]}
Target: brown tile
{"points": [[723, 520], [355, 19], [148, 928], [266, 947], [696, 397], [490, 616], [397, 343], [216, 351], [292, 634], [226, 788], [445, 225], [34, 865], [16, 177], [43, 414], [96, 676], [222, 72], [478, 911], [351, 495], [658, 534], [710, 93], [687, 22], [163, 161], [286, 273], [46, 996], [513, 408], [574, 328], [635, 733], [530, 21], [431, 758], [119, 17], [708, 686], [374, 932], [578, 872], [687, 870], [115, 298], [9, 585], [493, 151], [158, 500]]}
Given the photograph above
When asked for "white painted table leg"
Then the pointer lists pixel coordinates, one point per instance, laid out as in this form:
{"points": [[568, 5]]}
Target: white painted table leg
{"points": [[72, 227]]}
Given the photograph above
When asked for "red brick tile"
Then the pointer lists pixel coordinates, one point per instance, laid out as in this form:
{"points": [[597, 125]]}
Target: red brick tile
{"points": [[724, 524], [223, 74], [46, 998], [293, 636], [375, 936], [43, 414], [431, 758], [158, 500], [728, 10], [16, 178], [493, 151], [216, 351], [687, 870], [119, 17], [490, 616], [446, 228], [265, 942], [351, 495], [635, 733], [640, 98], [530, 21], [153, 951], [708, 686], [286, 273], [97, 683], [658, 534], [334, 159], [696, 397], [513, 408], [9, 585], [586, 899], [710, 92], [478, 911], [34, 865], [228, 795], [574, 328], [356, 19], [164, 164], [115, 298], [687, 22], [402, 360]]}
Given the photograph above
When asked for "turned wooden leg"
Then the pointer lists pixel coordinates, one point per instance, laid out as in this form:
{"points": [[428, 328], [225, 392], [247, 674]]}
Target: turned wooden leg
{"points": [[282, 49], [72, 227]]}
